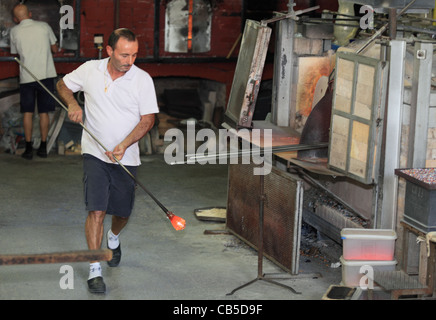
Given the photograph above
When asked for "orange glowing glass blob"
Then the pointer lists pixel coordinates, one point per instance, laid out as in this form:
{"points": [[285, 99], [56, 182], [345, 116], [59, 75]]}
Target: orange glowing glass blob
{"points": [[177, 222]]}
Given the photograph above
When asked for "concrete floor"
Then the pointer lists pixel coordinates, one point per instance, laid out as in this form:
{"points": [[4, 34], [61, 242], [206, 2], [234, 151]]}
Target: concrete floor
{"points": [[42, 211]]}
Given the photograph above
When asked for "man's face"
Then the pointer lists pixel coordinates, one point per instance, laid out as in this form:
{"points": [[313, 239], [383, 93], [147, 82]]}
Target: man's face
{"points": [[124, 54]]}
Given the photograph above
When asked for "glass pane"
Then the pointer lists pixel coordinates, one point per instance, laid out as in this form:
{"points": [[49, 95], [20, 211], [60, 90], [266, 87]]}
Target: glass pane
{"points": [[344, 85], [359, 149], [339, 142], [364, 91]]}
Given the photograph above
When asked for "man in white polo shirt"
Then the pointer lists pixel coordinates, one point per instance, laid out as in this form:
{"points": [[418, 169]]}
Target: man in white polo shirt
{"points": [[120, 107], [35, 42]]}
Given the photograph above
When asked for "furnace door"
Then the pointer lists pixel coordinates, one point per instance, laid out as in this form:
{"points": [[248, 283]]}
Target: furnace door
{"points": [[248, 74], [357, 116]]}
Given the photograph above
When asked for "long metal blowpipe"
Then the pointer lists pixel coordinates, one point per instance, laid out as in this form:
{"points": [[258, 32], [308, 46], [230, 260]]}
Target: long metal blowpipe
{"points": [[177, 222]]}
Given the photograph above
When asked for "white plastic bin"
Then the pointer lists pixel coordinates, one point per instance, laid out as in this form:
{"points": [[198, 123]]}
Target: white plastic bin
{"points": [[368, 244], [353, 271]]}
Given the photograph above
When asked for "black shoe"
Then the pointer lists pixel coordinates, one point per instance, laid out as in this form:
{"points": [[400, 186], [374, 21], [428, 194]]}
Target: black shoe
{"points": [[42, 152], [116, 256], [96, 285], [27, 154]]}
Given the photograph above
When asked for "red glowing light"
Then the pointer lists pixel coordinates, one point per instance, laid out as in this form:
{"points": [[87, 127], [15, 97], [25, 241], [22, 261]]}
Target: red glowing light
{"points": [[191, 9]]}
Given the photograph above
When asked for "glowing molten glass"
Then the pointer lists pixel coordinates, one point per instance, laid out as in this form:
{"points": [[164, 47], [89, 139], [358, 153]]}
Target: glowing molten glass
{"points": [[177, 222]]}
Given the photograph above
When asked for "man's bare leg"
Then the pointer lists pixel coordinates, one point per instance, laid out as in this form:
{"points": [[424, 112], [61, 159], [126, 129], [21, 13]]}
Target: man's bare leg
{"points": [[94, 236], [28, 127], [118, 223], [44, 124], [94, 229]]}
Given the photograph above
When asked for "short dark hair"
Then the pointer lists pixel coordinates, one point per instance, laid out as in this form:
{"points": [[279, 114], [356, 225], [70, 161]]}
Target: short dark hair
{"points": [[120, 33]]}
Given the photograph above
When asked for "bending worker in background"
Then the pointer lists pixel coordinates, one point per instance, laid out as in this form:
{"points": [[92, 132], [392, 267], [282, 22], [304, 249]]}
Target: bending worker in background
{"points": [[120, 107], [34, 41]]}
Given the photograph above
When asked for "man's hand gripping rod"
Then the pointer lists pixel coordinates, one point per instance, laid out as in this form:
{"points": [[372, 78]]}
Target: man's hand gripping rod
{"points": [[177, 222]]}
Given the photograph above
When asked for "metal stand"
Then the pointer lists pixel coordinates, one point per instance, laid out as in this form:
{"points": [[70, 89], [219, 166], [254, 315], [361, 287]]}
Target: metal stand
{"points": [[260, 274]]}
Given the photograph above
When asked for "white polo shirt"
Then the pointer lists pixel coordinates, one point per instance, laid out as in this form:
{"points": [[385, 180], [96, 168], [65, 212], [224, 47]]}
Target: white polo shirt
{"points": [[32, 40], [112, 114]]}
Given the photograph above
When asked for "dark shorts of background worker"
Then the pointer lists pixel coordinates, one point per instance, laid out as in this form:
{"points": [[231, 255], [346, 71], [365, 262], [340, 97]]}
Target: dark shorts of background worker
{"points": [[33, 94]]}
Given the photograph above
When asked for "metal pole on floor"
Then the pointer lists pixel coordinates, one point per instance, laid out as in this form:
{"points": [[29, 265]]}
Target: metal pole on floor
{"points": [[56, 257]]}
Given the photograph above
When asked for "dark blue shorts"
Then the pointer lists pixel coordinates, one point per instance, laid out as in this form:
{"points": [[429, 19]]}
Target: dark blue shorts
{"points": [[33, 92], [108, 187]]}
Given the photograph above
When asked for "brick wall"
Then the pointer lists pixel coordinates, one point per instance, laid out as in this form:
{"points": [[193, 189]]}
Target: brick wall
{"points": [[98, 17]]}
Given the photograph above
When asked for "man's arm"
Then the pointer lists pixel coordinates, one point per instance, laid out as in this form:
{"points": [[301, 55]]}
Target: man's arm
{"points": [[141, 129], [54, 48], [75, 112]]}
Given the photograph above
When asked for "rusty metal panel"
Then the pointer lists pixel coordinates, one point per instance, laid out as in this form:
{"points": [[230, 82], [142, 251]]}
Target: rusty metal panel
{"points": [[248, 74], [282, 213]]}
